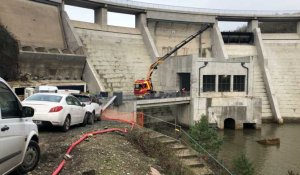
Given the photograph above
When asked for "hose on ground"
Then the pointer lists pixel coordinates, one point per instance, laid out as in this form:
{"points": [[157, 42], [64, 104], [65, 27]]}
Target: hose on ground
{"points": [[74, 144]]}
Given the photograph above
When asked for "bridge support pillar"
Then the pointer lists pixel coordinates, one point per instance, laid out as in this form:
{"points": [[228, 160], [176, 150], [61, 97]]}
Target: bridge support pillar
{"points": [[253, 24], [140, 20], [298, 27], [101, 16]]}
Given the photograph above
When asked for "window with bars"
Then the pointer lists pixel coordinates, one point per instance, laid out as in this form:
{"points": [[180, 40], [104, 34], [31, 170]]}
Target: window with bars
{"points": [[209, 83], [224, 83], [239, 83]]}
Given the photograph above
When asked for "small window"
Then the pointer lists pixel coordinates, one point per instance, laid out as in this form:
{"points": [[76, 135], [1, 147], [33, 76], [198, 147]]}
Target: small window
{"points": [[239, 83], [209, 83], [224, 83], [9, 104], [69, 101]]}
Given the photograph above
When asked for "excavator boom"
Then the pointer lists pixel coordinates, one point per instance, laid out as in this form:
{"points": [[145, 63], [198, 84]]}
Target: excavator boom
{"points": [[143, 87]]}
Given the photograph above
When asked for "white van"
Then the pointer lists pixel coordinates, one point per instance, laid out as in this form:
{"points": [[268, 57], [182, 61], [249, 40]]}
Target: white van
{"points": [[19, 149]]}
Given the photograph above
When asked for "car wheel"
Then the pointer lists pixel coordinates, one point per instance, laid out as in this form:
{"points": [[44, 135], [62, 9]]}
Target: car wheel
{"points": [[85, 119], [67, 124], [99, 118], [31, 158], [91, 118]]}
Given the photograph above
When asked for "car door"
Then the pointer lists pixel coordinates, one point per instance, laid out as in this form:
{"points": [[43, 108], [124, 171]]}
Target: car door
{"points": [[79, 109], [72, 110], [12, 130]]}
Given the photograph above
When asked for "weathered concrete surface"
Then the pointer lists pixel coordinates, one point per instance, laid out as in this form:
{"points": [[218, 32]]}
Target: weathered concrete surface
{"points": [[48, 66], [284, 65], [218, 46], [240, 50], [118, 55], [168, 34], [33, 23]]}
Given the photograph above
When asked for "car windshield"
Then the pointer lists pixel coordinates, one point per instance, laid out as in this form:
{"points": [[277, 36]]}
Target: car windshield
{"points": [[139, 86], [82, 98], [42, 97]]}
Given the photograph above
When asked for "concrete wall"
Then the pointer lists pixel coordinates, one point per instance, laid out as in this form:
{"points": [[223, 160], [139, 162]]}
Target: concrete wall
{"points": [[33, 23], [241, 109], [168, 34], [51, 66], [118, 55], [218, 48]]}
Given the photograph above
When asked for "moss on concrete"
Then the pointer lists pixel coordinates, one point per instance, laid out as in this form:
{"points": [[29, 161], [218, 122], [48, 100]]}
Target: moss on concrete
{"points": [[9, 51]]}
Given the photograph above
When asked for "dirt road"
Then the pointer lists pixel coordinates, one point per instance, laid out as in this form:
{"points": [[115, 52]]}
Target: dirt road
{"points": [[107, 154]]}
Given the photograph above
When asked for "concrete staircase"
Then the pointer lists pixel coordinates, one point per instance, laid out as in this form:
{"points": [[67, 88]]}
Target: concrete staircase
{"points": [[118, 58], [187, 156], [259, 90], [284, 65]]}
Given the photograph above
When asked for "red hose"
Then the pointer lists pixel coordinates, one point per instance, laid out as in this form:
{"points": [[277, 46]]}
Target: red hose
{"points": [[61, 165]]}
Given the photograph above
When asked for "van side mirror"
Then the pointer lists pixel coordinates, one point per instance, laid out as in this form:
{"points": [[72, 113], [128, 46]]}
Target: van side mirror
{"points": [[27, 111], [83, 105]]}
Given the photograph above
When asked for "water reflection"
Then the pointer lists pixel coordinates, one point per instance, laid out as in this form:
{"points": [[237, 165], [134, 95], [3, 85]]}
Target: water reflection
{"points": [[273, 160]]}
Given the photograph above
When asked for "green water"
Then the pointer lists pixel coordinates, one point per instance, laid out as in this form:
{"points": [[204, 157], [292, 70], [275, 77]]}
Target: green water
{"points": [[267, 160]]}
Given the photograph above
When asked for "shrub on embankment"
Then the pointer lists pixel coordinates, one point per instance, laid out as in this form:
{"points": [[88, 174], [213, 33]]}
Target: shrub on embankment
{"points": [[9, 51], [167, 160]]}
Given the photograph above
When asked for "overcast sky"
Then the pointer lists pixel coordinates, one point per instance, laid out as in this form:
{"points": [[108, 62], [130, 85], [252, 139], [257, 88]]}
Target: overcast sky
{"points": [[128, 20]]}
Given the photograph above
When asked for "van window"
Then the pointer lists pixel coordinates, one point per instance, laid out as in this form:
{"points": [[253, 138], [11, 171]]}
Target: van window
{"points": [[9, 104]]}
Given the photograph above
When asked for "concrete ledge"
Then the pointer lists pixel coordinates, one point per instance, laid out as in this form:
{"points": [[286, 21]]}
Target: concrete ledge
{"points": [[106, 28], [162, 102]]}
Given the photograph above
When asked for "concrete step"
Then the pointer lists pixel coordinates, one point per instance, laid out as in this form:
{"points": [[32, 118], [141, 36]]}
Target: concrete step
{"points": [[193, 162], [202, 171], [177, 146], [185, 153]]}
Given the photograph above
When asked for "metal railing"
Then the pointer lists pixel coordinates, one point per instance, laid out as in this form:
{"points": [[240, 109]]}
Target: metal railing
{"points": [[181, 135], [144, 5], [158, 95]]}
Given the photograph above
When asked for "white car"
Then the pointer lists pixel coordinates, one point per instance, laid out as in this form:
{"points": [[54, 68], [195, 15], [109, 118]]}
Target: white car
{"points": [[93, 106], [19, 149], [57, 110]]}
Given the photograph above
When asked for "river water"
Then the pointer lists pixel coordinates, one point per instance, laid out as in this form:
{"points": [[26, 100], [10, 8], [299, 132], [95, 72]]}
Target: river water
{"points": [[267, 160]]}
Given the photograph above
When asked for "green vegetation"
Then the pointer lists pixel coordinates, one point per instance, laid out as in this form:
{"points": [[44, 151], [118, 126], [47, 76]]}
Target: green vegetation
{"points": [[166, 158], [205, 137], [243, 166], [9, 52]]}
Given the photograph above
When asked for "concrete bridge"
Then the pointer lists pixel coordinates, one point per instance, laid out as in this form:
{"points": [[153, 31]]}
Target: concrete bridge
{"points": [[221, 76]]}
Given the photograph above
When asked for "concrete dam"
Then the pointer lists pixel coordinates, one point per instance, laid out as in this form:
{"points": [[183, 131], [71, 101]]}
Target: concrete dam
{"points": [[228, 76]]}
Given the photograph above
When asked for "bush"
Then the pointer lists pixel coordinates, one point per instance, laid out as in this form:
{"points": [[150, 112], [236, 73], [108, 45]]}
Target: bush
{"points": [[205, 136], [243, 166]]}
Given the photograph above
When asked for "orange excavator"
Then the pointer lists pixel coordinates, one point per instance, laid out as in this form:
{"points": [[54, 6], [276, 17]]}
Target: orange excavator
{"points": [[145, 87]]}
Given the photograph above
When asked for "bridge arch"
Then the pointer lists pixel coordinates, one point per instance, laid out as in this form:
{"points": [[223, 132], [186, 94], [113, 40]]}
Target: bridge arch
{"points": [[229, 123]]}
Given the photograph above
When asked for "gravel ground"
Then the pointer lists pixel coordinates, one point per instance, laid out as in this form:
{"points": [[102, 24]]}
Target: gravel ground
{"points": [[107, 154]]}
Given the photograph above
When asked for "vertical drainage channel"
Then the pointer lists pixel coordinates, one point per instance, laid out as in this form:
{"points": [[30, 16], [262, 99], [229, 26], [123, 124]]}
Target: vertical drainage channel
{"points": [[205, 64]]}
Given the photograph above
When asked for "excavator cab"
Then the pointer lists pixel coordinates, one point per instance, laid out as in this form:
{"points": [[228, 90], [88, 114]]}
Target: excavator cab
{"points": [[142, 87]]}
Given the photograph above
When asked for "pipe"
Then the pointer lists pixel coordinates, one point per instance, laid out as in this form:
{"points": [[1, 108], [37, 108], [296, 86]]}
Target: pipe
{"points": [[74, 144], [243, 65], [205, 64]]}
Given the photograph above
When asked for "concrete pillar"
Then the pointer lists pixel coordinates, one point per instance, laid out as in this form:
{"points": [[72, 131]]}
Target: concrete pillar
{"points": [[101, 16], [140, 20], [253, 24], [298, 27]]}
